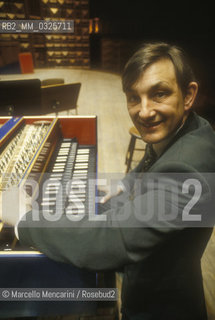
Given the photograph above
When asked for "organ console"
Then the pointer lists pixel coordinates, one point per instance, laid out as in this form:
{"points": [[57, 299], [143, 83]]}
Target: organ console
{"points": [[59, 154]]}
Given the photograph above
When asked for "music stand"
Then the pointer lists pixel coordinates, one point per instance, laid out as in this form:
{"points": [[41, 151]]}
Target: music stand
{"points": [[60, 97]]}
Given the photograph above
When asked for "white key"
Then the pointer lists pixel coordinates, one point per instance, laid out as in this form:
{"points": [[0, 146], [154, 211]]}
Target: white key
{"points": [[51, 203]]}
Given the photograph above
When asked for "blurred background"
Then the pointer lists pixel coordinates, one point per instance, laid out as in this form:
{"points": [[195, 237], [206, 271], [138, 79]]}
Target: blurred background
{"points": [[107, 32]]}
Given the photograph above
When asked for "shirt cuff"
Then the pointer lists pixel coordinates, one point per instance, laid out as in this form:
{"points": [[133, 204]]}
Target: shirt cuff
{"points": [[121, 186], [16, 230], [16, 226]]}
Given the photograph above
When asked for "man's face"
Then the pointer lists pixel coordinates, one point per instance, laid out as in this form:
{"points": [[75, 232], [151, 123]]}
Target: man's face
{"points": [[155, 102]]}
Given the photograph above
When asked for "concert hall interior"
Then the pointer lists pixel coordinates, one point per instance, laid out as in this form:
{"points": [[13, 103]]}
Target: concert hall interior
{"points": [[76, 75]]}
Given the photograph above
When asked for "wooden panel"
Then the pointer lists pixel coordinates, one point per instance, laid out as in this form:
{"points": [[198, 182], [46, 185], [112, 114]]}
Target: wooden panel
{"points": [[84, 129]]}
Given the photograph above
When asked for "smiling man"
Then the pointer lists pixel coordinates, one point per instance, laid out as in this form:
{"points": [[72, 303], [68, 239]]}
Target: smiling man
{"points": [[159, 223], [157, 102], [161, 88]]}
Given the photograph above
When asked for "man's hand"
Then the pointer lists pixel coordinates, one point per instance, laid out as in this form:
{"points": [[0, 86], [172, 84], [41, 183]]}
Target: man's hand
{"points": [[14, 203], [112, 193]]}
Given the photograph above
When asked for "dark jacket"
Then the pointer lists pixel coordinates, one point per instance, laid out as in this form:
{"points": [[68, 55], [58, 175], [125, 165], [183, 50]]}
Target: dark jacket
{"points": [[160, 257]]}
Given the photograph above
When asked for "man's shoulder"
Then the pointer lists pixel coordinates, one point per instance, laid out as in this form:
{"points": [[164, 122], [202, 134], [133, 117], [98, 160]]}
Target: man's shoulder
{"points": [[194, 147], [196, 127], [200, 136]]}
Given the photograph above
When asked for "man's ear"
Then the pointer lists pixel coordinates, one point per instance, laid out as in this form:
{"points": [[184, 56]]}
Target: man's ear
{"points": [[191, 93]]}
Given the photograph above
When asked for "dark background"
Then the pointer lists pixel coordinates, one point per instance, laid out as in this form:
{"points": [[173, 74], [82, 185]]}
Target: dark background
{"points": [[190, 24]]}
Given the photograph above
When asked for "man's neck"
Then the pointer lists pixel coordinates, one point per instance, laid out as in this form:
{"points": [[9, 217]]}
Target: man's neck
{"points": [[160, 147]]}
